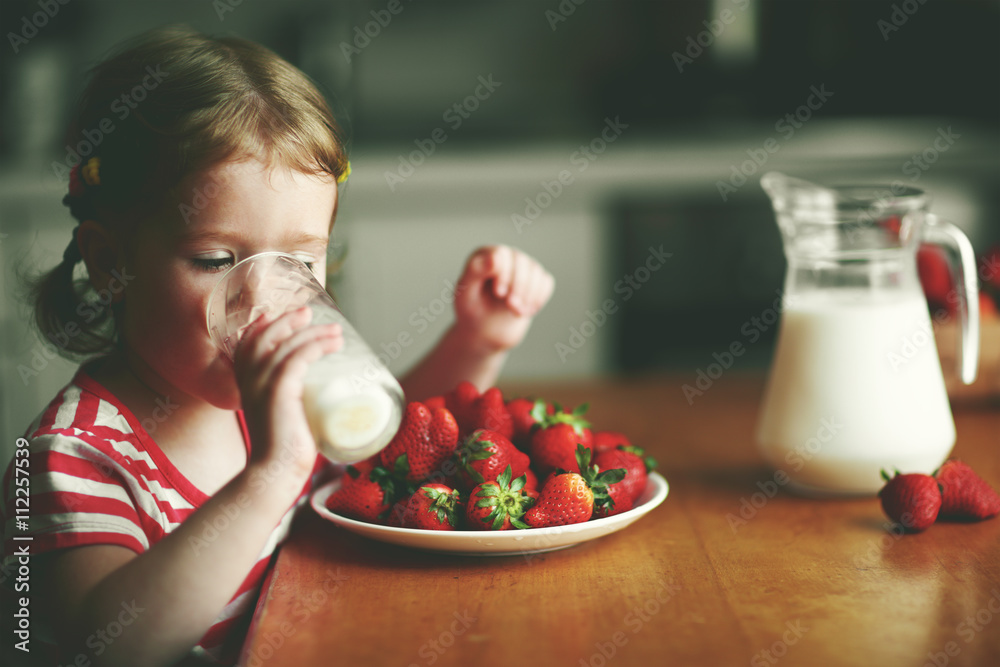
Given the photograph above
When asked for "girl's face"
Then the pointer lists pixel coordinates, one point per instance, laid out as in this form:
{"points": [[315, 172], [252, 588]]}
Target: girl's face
{"points": [[223, 215]]}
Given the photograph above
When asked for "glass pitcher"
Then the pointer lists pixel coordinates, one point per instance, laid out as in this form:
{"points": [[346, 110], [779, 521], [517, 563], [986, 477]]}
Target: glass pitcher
{"points": [[856, 385]]}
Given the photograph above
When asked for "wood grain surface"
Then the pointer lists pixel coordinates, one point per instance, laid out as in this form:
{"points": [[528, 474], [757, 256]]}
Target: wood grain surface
{"points": [[729, 570]]}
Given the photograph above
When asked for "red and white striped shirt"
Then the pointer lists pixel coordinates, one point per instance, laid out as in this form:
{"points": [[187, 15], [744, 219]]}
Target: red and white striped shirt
{"points": [[97, 477]]}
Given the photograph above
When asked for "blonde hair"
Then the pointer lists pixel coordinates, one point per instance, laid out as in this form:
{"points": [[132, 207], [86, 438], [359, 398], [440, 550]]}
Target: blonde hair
{"points": [[168, 104]]}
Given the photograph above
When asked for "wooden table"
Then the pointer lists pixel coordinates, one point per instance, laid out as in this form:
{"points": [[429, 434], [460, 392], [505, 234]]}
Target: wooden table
{"points": [[801, 582]]}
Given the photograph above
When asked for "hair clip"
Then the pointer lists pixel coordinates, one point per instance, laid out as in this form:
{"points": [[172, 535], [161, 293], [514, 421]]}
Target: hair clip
{"points": [[84, 174], [347, 172], [91, 171]]}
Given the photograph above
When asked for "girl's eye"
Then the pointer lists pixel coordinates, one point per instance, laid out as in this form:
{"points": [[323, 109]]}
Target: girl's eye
{"points": [[307, 261], [212, 264]]}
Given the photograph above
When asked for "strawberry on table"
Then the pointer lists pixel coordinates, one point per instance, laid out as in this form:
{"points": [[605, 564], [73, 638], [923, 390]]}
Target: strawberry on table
{"points": [[553, 443], [935, 277], [435, 402], [912, 500], [425, 439], [432, 507], [572, 497], [531, 481], [604, 440], [636, 465], [484, 455], [522, 414], [964, 494], [498, 505], [488, 411], [366, 492], [459, 401]]}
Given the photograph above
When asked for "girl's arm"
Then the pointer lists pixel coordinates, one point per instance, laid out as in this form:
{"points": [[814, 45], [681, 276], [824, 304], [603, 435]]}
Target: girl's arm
{"points": [[184, 581], [500, 291], [166, 598]]}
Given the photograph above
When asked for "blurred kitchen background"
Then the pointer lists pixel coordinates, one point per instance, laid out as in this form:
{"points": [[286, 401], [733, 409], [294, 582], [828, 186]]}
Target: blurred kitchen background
{"points": [[648, 106]]}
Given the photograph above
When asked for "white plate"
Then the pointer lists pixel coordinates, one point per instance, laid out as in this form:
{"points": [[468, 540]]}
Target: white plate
{"points": [[496, 543]]}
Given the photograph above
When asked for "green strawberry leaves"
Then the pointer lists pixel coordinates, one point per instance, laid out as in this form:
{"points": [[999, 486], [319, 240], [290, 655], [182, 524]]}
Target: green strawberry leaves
{"points": [[443, 504], [474, 449], [598, 480], [574, 419], [648, 461], [506, 499]]}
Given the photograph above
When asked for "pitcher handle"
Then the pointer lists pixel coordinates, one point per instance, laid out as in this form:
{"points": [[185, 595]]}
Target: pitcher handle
{"points": [[964, 275]]}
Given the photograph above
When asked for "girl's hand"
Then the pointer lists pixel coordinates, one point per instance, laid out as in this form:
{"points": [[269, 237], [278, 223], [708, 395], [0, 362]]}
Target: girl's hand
{"points": [[500, 291], [270, 365]]}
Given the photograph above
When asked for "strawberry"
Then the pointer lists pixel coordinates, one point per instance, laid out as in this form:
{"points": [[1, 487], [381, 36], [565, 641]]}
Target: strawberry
{"points": [[366, 493], [531, 481], [912, 500], [935, 277], [605, 440], [435, 402], [488, 411], [989, 267], [498, 505], [484, 455], [892, 224], [531, 484], [621, 501], [554, 442], [425, 439], [459, 401], [521, 412], [987, 307], [432, 507], [964, 494], [636, 471], [572, 497]]}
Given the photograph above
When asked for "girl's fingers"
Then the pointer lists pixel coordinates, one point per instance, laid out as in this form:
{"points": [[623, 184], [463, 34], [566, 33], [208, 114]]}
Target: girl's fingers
{"points": [[289, 369], [520, 293], [503, 269], [267, 331], [330, 337], [546, 290], [541, 289]]}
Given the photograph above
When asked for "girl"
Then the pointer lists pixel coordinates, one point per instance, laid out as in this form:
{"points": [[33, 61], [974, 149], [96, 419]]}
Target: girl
{"points": [[164, 476]]}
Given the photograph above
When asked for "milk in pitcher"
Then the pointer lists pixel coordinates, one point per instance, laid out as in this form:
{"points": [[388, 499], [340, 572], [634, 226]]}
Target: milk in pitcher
{"points": [[855, 387]]}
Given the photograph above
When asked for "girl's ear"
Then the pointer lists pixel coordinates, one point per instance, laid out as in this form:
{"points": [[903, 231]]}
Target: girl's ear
{"points": [[102, 254]]}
